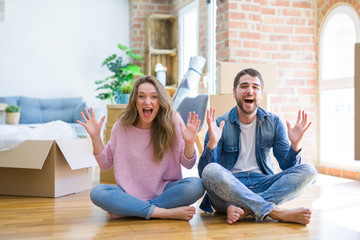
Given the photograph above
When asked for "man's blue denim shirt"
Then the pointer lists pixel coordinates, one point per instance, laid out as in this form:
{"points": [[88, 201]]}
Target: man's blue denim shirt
{"points": [[270, 133]]}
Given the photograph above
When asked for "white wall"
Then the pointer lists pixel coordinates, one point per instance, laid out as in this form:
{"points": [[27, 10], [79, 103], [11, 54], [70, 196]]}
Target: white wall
{"points": [[54, 48]]}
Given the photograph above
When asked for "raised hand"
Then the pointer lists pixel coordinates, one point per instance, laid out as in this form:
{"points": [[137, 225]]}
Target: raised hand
{"points": [[92, 126], [189, 132], [215, 131], [297, 132]]}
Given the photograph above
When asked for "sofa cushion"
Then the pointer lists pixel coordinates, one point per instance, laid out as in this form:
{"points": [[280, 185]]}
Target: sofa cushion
{"points": [[77, 111], [71, 102], [12, 100], [30, 110], [51, 114], [60, 103], [59, 109]]}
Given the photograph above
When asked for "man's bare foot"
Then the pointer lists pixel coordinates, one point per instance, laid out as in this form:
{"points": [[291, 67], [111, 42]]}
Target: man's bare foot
{"points": [[234, 214], [296, 215], [181, 213], [114, 216]]}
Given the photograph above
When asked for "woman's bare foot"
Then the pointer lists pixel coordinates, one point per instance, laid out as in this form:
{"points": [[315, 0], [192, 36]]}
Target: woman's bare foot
{"points": [[181, 213], [234, 214], [114, 216], [297, 215]]}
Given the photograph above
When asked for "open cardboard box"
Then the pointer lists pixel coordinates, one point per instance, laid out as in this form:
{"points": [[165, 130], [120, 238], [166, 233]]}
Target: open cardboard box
{"points": [[47, 168]]}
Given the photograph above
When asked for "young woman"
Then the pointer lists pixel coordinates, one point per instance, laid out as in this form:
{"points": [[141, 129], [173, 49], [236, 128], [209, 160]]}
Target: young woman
{"points": [[147, 147]]}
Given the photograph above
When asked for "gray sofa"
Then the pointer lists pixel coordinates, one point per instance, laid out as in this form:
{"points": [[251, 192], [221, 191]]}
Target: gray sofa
{"points": [[43, 110]]}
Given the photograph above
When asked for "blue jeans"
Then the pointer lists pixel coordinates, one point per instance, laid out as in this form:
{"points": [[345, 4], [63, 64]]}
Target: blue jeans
{"points": [[114, 199], [257, 192]]}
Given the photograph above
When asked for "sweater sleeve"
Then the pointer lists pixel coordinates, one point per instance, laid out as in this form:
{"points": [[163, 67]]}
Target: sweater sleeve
{"points": [[180, 145], [105, 159]]}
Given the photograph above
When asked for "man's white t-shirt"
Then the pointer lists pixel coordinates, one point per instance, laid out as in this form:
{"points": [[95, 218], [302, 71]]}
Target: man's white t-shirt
{"points": [[247, 158]]}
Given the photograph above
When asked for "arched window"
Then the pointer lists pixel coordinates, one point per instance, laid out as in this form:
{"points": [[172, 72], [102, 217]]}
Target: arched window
{"points": [[340, 32]]}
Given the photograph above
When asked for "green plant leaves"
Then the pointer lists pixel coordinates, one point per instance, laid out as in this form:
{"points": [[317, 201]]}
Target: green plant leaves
{"points": [[130, 52], [134, 55], [135, 70], [123, 47], [123, 77], [112, 57], [126, 87], [12, 108]]}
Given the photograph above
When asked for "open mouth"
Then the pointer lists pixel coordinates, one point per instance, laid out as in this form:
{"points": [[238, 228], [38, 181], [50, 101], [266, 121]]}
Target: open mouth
{"points": [[249, 100], [147, 112]]}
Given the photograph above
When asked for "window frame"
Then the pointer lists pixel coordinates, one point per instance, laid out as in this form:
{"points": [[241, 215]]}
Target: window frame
{"points": [[336, 82], [182, 12]]}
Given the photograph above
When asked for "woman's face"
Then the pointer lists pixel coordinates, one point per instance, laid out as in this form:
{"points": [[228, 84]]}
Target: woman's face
{"points": [[147, 104]]}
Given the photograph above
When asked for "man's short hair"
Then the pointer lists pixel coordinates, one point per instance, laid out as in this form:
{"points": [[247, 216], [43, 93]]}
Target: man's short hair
{"points": [[251, 72]]}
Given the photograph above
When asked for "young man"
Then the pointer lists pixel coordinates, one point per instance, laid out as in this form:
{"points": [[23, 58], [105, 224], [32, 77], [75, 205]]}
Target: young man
{"points": [[236, 166]]}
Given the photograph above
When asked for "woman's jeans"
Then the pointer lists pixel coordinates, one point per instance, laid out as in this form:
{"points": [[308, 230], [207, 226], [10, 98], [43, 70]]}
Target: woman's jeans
{"points": [[114, 199], [257, 192]]}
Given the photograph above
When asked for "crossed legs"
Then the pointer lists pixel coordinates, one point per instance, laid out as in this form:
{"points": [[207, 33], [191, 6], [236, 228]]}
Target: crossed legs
{"points": [[258, 194], [173, 203]]}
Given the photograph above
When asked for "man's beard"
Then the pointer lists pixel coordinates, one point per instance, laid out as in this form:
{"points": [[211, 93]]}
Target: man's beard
{"points": [[251, 111]]}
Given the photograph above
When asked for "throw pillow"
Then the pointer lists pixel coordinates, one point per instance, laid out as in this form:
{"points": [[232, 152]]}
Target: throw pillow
{"points": [[30, 110]]}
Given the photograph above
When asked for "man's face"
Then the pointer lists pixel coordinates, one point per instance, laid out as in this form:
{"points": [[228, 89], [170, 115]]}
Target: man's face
{"points": [[248, 94]]}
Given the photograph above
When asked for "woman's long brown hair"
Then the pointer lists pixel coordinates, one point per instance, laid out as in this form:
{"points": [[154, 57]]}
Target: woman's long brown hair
{"points": [[163, 127]]}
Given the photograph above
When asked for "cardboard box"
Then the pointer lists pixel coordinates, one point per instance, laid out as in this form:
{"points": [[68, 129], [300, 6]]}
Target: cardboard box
{"points": [[47, 168], [229, 70], [222, 103], [107, 176]]}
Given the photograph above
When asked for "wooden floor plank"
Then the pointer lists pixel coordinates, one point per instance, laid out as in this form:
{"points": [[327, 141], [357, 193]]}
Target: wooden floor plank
{"points": [[335, 203]]}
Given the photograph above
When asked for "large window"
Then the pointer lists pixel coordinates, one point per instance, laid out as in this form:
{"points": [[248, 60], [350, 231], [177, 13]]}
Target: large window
{"points": [[339, 34], [189, 35]]}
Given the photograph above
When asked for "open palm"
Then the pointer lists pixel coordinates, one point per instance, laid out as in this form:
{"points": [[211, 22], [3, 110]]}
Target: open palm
{"points": [[92, 126], [215, 131], [189, 132], [297, 132]]}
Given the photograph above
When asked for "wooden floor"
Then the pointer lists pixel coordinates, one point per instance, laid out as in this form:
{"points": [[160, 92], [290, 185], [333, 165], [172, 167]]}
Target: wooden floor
{"points": [[335, 204]]}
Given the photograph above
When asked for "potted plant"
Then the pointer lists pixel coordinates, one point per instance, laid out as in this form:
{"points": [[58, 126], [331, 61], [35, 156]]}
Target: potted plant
{"points": [[124, 92], [122, 74], [12, 114]]}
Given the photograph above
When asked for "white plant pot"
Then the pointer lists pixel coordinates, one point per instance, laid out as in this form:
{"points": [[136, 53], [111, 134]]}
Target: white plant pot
{"points": [[13, 118]]}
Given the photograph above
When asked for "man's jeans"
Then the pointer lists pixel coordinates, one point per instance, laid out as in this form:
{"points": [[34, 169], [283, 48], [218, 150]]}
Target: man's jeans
{"points": [[259, 193], [114, 199]]}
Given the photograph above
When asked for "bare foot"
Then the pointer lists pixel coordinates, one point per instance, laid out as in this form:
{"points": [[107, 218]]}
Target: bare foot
{"points": [[181, 213], [234, 214], [297, 215], [114, 216]]}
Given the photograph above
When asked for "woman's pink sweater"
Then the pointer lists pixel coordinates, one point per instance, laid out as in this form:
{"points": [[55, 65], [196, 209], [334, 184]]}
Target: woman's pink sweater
{"points": [[130, 152]]}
